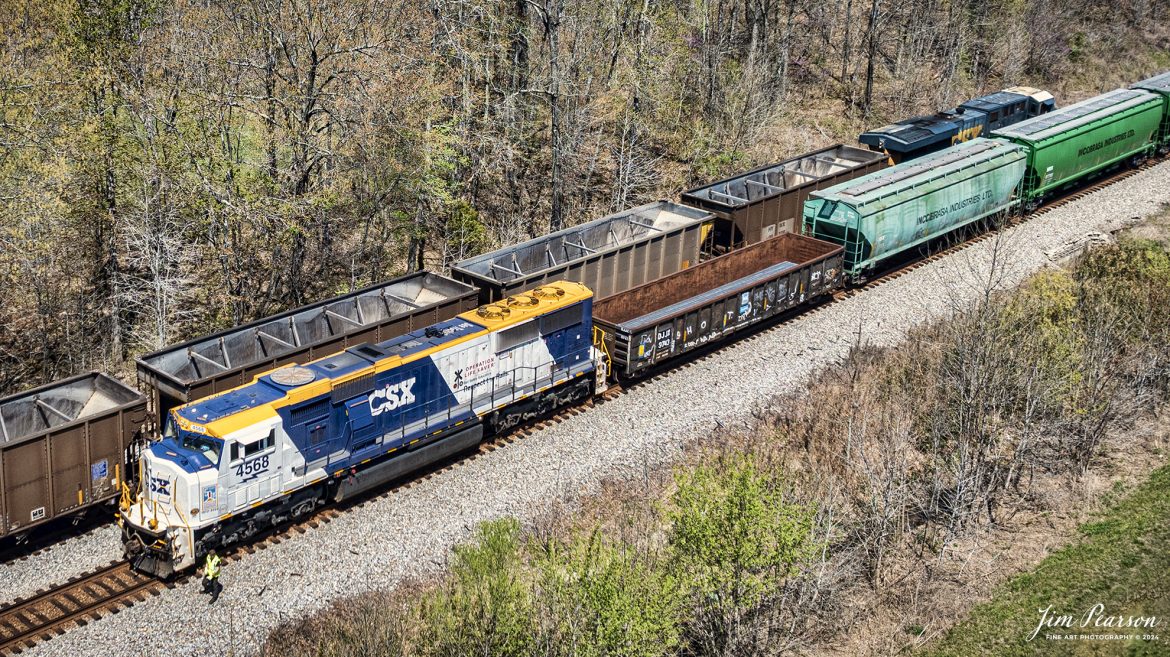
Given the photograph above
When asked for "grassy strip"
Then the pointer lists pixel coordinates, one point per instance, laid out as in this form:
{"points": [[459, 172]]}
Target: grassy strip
{"points": [[1122, 563]]}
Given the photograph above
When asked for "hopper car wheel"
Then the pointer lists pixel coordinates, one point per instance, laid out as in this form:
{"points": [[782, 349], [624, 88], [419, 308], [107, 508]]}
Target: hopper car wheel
{"points": [[1138, 160]]}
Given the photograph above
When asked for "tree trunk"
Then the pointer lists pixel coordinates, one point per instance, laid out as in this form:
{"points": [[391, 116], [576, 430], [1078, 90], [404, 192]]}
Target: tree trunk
{"points": [[552, 24], [873, 19]]}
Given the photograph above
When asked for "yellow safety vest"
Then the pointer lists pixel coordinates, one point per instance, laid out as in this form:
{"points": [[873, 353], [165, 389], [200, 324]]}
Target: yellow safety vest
{"points": [[211, 571]]}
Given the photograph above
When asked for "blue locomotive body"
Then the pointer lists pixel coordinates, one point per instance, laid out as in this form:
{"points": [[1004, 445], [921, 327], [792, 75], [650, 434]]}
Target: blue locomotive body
{"points": [[921, 135]]}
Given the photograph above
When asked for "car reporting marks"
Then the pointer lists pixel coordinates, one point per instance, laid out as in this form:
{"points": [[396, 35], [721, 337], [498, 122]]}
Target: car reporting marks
{"points": [[394, 395]]}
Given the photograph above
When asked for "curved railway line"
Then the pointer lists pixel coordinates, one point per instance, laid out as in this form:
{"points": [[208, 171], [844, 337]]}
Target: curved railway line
{"points": [[114, 587], [25, 623]]}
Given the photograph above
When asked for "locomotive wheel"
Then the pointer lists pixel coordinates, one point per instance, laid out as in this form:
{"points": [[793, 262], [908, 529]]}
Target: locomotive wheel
{"points": [[304, 508]]}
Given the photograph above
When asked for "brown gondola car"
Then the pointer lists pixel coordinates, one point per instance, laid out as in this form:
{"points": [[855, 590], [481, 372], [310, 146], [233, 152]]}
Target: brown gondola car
{"points": [[222, 361], [765, 202], [63, 448], [610, 255], [659, 321]]}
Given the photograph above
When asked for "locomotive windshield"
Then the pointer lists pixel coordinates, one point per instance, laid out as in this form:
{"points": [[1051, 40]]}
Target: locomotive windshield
{"points": [[209, 447]]}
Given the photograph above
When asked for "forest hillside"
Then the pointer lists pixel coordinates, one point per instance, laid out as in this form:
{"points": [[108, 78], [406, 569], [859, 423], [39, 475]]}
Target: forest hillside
{"points": [[171, 167]]}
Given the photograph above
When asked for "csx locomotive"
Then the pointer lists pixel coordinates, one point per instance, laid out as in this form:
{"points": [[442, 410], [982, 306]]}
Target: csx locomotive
{"points": [[235, 463], [921, 135]]}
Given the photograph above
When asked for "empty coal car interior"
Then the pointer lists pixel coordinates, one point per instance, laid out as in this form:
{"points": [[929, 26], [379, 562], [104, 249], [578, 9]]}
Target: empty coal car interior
{"points": [[63, 448], [204, 366]]}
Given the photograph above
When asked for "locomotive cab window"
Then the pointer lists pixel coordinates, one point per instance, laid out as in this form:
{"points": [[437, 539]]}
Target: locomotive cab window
{"points": [[516, 336], [208, 446], [244, 451]]}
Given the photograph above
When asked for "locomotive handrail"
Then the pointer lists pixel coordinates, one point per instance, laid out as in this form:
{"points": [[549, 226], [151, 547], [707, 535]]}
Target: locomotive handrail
{"points": [[183, 517]]}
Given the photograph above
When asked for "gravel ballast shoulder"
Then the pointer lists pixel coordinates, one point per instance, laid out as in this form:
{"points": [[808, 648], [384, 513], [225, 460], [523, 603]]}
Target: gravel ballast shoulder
{"points": [[410, 533], [71, 557]]}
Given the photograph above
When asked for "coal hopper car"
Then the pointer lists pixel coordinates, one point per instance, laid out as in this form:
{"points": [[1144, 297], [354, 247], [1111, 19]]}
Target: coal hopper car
{"points": [[610, 255], [63, 449], [759, 204], [204, 366]]}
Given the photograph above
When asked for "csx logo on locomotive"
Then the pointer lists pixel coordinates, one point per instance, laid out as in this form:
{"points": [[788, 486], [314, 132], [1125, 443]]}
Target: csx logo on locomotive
{"points": [[391, 397], [160, 486]]}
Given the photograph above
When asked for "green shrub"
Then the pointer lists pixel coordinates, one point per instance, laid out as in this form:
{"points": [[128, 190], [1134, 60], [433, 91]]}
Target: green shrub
{"points": [[603, 599], [484, 607], [734, 539]]}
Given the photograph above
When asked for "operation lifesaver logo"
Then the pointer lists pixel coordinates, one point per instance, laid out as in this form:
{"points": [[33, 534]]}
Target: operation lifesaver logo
{"points": [[394, 395]]}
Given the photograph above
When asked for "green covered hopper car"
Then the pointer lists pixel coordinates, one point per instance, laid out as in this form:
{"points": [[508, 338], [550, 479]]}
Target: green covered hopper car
{"points": [[1068, 144], [885, 213]]}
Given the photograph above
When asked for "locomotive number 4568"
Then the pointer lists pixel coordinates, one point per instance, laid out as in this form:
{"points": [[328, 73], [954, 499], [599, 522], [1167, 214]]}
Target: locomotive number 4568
{"points": [[253, 467]]}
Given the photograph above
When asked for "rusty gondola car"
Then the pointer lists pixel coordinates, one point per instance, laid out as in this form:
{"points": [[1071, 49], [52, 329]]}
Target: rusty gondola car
{"points": [[659, 321], [63, 448]]}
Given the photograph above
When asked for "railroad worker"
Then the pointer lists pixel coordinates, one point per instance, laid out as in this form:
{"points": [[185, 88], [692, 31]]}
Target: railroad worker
{"points": [[211, 576]]}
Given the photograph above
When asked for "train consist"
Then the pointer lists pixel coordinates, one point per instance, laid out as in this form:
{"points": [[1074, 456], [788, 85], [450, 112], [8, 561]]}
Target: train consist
{"points": [[883, 214], [265, 422]]}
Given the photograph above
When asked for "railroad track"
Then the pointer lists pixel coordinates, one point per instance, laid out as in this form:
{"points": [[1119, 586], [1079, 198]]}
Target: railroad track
{"points": [[108, 590], [50, 613]]}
